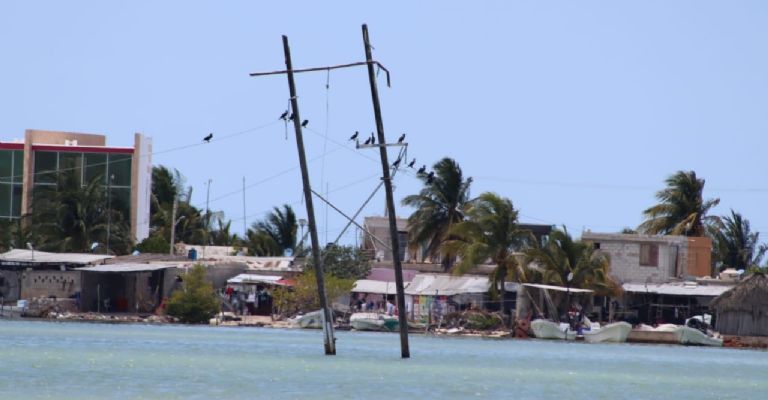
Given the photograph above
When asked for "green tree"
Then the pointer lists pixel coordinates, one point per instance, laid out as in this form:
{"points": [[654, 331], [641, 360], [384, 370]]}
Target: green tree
{"points": [[344, 262], [438, 206], [70, 217], [735, 245], [303, 296], [197, 302], [155, 244], [275, 234], [682, 209], [560, 256], [490, 233]]}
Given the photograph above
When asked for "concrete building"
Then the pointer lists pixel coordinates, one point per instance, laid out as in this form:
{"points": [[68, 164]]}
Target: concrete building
{"points": [[36, 162], [653, 259]]}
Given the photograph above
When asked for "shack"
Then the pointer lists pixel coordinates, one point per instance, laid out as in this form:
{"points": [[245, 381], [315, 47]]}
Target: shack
{"points": [[671, 302], [136, 288], [743, 310], [254, 291]]}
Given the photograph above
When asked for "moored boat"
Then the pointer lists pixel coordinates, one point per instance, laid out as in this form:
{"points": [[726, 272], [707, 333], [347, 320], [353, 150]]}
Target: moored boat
{"points": [[688, 335], [545, 329], [373, 322], [616, 332], [311, 320]]}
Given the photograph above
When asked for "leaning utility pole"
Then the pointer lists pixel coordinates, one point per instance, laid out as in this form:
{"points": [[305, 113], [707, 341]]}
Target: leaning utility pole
{"points": [[330, 341], [402, 315]]}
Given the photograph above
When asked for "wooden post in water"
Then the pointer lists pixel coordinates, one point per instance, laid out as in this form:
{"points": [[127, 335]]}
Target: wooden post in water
{"points": [[402, 314], [330, 341]]}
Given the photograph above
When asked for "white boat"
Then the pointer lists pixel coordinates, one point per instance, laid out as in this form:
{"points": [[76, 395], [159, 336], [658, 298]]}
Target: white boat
{"points": [[311, 320], [616, 332], [373, 322], [545, 329], [688, 335]]}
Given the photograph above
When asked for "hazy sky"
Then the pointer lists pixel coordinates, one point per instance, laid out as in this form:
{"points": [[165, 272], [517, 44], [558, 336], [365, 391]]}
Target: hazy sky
{"points": [[577, 111]]}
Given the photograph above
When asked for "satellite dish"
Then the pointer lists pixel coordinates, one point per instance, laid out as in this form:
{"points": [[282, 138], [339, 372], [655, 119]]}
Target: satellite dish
{"points": [[288, 253], [94, 245], [570, 276], [135, 253]]}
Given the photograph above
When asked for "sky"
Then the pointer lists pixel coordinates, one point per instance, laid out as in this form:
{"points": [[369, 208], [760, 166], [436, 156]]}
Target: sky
{"points": [[576, 111]]}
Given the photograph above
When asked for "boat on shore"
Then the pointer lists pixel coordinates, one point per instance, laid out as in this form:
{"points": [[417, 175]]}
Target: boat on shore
{"points": [[692, 336], [311, 320], [616, 332], [366, 321], [545, 329]]}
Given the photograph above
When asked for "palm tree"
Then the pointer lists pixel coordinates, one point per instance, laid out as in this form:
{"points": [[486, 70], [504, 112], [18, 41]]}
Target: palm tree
{"points": [[438, 206], [275, 234], [682, 209], [734, 245], [565, 262], [70, 217], [490, 232]]}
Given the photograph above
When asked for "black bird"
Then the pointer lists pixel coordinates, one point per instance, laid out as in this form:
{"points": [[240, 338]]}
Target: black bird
{"points": [[291, 117], [396, 164], [208, 138], [373, 138], [353, 137], [410, 164], [304, 124], [402, 137], [430, 176], [367, 141], [421, 170], [284, 115]]}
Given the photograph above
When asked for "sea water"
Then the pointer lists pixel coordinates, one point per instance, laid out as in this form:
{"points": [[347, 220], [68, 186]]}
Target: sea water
{"points": [[48, 360]]}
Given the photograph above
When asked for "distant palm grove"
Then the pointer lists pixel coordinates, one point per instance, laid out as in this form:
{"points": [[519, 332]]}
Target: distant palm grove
{"points": [[447, 224]]}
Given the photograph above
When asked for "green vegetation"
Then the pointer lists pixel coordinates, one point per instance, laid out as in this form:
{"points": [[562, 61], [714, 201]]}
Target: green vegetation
{"points": [[274, 234], [682, 209], [197, 302], [438, 206], [303, 297], [734, 245], [345, 262]]}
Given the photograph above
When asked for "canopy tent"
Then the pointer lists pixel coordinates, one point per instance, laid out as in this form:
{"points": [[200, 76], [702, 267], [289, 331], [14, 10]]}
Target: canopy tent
{"points": [[375, 287], [446, 285]]}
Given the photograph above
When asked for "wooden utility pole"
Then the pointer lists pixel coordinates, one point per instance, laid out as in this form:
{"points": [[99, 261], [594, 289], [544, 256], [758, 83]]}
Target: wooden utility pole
{"points": [[402, 315], [330, 341], [173, 223]]}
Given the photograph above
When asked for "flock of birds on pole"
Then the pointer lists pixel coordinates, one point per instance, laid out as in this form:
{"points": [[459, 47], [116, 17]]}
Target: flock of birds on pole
{"points": [[368, 142]]}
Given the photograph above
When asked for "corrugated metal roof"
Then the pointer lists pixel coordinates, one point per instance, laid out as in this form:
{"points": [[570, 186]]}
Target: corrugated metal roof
{"points": [[124, 268], [42, 257], [254, 278], [446, 285], [558, 288], [374, 286], [677, 289]]}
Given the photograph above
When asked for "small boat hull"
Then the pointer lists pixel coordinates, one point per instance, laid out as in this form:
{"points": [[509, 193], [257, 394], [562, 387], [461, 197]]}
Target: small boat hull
{"points": [[312, 320], [543, 329], [373, 322], [696, 337], [612, 333]]}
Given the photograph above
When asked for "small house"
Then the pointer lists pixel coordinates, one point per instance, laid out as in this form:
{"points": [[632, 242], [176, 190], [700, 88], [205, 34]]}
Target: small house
{"points": [[743, 310]]}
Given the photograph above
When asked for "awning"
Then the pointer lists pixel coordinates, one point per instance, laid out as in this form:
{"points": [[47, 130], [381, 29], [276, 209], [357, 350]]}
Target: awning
{"points": [[116, 268], [254, 278], [677, 289], [446, 285], [558, 288], [375, 287], [44, 257]]}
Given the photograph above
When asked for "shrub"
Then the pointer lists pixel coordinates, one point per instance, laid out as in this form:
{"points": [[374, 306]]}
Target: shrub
{"points": [[197, 302]]}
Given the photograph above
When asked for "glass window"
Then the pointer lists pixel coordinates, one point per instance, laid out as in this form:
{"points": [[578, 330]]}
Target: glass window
{"points": [[5, 200], [95, 167], [16, 201], [6, 165], [649, 255], [120, 167], [71, 163], [45, 166], [18, 166], [121, 201]]}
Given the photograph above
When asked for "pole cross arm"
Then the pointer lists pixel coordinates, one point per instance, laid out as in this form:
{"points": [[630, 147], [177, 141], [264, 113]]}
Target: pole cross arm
{"points": [[328, 68]]}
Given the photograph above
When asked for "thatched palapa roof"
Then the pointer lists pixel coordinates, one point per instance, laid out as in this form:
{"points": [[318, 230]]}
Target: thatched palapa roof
{"points": [[750, 295]]}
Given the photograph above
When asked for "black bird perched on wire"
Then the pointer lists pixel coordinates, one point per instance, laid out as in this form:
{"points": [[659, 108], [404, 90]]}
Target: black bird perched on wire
{"points": [[208, 138], [401, 139], [353, 137], [410, 164], [304, 124], [367, 141], [284, 115], [292, 117], [373, 138], [431, 176], [421, 170], [396, 164]]}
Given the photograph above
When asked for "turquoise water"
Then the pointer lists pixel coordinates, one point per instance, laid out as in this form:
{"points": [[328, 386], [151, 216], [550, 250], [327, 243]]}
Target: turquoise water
{"points": [[42, 360]]}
